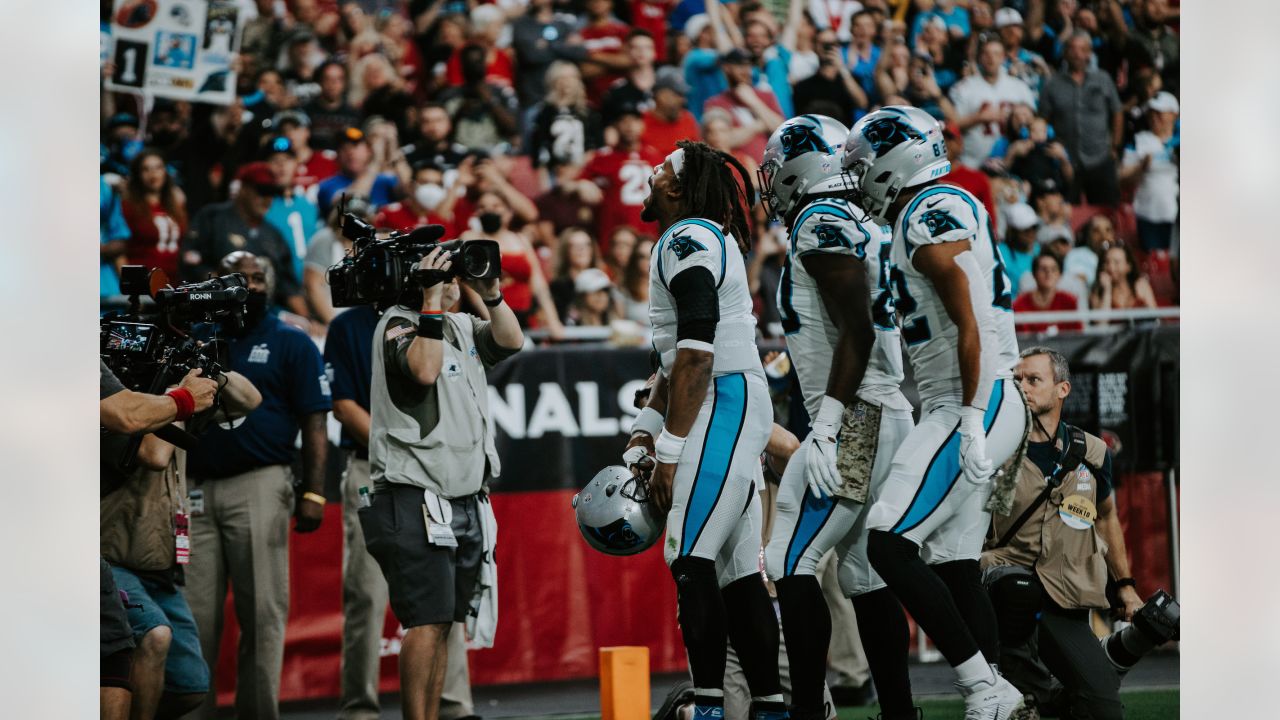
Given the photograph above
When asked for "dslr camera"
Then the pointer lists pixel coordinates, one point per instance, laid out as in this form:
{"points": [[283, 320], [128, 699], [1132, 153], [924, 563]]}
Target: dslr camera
{"points": [[386, 272]]}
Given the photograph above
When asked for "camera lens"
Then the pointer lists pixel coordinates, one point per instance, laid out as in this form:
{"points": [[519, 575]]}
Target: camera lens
{"points": [[475, 261]]}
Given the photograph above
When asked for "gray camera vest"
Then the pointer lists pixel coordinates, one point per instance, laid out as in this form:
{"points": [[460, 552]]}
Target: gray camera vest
{"points": [[450, 458]]}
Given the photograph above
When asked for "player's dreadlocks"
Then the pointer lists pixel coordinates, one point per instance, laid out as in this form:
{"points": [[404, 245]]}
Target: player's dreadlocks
{"points": [[711, 191]]}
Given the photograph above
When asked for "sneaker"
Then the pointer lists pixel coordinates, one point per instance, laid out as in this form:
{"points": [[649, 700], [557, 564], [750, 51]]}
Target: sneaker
{"points": [[680, 696], [998, 700]]}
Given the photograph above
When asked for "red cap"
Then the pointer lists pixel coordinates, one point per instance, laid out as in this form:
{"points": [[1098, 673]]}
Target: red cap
{"points": [[258, 175]]}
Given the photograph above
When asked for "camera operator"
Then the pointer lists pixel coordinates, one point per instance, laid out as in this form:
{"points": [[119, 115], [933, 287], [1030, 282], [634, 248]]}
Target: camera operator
{"points": [[431, 454], [122, 411], [1047, 561], [145, 537], [242, 494]]}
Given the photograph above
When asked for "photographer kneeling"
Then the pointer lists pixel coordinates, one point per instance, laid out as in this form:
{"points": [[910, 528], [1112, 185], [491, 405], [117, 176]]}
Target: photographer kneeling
{"points": [[431, 455], [1047, 561]]}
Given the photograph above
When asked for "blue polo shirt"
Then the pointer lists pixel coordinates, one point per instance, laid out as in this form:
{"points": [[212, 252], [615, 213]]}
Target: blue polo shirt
{"points": [[286, 367], [383, 191], [348, 358]]}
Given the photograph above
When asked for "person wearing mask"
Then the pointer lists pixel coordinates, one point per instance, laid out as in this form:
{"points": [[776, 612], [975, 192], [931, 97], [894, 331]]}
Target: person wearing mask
{"points": [[1152, 165], [1084, 109], [292, 213], [362, 172], [329, 112], [241, 491], [620, 177], [419, 207], [155, 210], [523, 284], [241, 224], [668, 120], [540, 37], [983, 101], [1046, 297]]}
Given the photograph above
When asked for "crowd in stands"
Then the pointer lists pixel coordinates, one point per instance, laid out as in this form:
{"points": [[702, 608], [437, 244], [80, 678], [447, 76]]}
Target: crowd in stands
{"points": [[537, 123]]}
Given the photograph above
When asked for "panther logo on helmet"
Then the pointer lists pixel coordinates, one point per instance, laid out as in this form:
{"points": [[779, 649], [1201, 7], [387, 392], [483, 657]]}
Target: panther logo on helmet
{"points": [[939, 221], [831, 236], [888, 133], [617, 534], [800, 139], [614, 515]]}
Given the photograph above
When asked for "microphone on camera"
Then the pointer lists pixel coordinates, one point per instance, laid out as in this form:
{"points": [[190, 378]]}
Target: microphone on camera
{"points": [[426, 234]]}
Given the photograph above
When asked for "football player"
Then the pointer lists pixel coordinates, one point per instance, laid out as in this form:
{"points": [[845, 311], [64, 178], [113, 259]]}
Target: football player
{"points": [[837, 312], [707, 420], [953, 302]]}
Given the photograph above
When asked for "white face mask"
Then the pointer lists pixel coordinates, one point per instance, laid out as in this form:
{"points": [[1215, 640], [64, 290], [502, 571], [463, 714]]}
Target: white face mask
{"points": [[429, 195]]}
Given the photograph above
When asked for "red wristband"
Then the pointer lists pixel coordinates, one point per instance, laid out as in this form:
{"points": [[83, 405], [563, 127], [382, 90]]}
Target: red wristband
{"points": [[185, 401]]}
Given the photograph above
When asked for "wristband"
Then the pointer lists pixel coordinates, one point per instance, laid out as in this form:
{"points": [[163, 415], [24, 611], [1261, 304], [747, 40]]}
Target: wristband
{"points": [[648, 421], [667, 447], [1126, 581], [316, 498], [431, 325], [185, 401], [830, 414], [494, 302]]}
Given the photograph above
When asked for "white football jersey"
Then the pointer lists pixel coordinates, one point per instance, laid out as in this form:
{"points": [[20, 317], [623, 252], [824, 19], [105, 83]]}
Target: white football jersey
{"points": [[946, 213], [829, 226], [695, 242]]}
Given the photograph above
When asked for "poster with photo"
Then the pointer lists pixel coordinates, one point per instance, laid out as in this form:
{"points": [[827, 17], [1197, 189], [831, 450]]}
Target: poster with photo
{"points": [[177, 49]]}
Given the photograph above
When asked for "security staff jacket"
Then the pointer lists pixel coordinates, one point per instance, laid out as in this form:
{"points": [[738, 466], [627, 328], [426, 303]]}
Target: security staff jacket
{"points": [[438, 437], [1060, 541]]}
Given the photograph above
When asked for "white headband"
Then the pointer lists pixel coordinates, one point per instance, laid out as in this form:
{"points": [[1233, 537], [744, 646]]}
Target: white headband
{"points": [[677, 161]]}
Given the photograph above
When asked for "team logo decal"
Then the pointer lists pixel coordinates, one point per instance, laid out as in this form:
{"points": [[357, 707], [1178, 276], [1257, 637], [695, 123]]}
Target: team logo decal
{"points": [[684, 246], [800, 139], [939, 222], [831, 236], [887, 133], [617, 534]]}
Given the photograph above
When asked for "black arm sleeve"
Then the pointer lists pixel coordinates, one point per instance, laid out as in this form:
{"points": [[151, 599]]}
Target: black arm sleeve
{"points": [[697, 305]]}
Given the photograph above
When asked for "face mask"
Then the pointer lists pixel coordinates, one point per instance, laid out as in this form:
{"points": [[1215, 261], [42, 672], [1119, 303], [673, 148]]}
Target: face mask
{"points": [[490, 222], [429, 195]]}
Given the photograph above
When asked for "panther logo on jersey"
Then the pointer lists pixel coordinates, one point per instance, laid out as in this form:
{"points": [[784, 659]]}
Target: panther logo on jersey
{"points": [[684, 246], [831, 236], [939, 222], [800, 139], [887, 133]]}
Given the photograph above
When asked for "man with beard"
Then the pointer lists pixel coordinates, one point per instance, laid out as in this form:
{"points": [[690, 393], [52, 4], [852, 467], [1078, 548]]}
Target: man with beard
{"points": [[241, 495], [241, 224]]}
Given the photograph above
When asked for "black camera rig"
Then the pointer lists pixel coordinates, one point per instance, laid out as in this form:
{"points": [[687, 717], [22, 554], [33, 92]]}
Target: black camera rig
{"points": [[386, 272]]}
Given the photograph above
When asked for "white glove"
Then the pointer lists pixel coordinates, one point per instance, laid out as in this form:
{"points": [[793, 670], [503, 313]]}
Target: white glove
{"points": [[820, 462], [634, 455], [974, 463]]}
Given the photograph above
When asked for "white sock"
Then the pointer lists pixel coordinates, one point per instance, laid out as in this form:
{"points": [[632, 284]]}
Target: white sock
{"points": [[974, 670], [767, 698]]}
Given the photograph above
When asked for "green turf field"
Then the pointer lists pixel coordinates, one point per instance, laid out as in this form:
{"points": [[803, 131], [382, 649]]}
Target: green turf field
{"points": [[1146, 705]]}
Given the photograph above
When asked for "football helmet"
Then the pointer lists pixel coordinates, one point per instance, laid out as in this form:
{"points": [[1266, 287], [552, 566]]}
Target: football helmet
{"points": [[801, 158], [614, 514], [890, 150]]}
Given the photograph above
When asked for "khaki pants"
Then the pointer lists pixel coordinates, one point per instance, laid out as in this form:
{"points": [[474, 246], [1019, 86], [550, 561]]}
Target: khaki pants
{"points": [[243, 537], [364, 608]]}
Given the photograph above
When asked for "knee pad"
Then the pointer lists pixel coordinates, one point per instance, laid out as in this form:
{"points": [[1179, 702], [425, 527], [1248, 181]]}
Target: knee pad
{"points": [[1017, 600]]}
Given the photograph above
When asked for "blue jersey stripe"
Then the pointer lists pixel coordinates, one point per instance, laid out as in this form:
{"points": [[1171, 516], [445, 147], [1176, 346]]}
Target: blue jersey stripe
{"points": [[728, 413], [814, 514], [944, 470]]}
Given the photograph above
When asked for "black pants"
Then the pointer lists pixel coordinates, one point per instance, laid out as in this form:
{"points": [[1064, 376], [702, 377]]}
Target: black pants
{"points": [[1060, 645], [1099, 183]]}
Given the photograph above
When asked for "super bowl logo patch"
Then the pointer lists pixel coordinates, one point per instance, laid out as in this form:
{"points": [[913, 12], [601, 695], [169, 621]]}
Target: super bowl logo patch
{"points": [[684, 246], [259, 354], [1077, 512]]}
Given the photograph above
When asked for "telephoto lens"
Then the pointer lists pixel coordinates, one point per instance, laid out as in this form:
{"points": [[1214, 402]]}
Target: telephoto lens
{"points": [[1155, 624]]}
